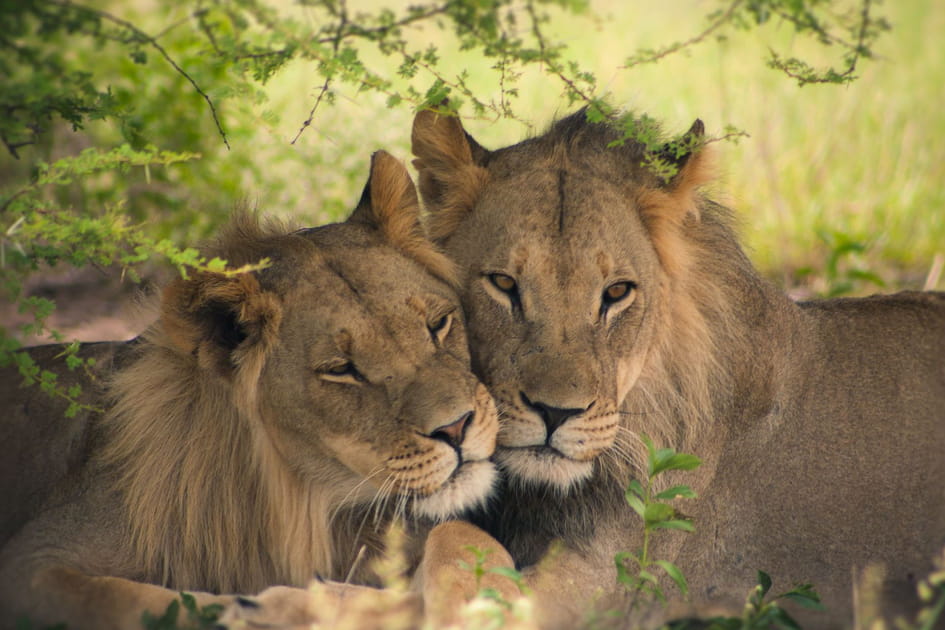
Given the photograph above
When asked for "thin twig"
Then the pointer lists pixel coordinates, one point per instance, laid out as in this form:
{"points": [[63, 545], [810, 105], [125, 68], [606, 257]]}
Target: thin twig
{"points": [[145, 38], [553, 66], [857, 49], [342, 23], [354, 31], [167, 29], [723, 18]]}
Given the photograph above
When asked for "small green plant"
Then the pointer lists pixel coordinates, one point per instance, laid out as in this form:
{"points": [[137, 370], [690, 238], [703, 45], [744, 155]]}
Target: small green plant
{"points": [[657, 513], [490, 609], [844, 270], [479, 571], [761, 613], [196, 618]]}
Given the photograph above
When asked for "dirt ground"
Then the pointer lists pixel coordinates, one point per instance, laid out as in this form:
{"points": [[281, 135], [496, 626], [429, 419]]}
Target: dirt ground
{"points": [[92, 304]]}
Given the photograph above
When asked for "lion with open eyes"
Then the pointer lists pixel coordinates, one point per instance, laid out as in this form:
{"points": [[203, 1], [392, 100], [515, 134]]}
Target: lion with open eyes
{"points": [[604, 302], [265, 430]]}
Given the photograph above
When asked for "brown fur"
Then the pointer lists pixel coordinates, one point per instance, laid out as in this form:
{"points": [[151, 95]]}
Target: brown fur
{"points": [[818, 423], [240, 449]]}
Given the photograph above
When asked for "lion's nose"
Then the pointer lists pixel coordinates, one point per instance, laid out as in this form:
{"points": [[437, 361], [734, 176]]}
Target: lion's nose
{"points": [[454, 432], [553, 417]]}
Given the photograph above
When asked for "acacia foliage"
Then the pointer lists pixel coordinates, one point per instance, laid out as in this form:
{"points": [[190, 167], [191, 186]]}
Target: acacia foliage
{"points": [[106, 109]]}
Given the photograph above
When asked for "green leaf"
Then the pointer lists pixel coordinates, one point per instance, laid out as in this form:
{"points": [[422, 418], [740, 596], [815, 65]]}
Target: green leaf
{"points": [[216, 265], [675, 574], [764, 581], [189, 602], [676, 492], [624, 576], [646, 576], [804, 595], [509, 572], [784, 620], [635, 502], [657, 513], [677, 461], [683, 525]]}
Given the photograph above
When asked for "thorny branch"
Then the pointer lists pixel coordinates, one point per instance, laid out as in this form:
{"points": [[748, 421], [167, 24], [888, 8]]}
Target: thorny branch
{"points": [[652, 57], [858, 49], [336, 44], [151, 41], [553, 66]]}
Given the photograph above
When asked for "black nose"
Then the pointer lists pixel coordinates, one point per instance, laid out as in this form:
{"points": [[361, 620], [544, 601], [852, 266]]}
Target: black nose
{"points": [[454, 432], [553, 417]]}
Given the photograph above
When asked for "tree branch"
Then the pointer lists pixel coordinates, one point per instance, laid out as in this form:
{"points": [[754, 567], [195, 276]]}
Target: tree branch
{"points": [[147, 39]]}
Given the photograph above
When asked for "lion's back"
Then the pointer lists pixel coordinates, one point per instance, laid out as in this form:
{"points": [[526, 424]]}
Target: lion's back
{"points": [[900, 336], [42, 448]]}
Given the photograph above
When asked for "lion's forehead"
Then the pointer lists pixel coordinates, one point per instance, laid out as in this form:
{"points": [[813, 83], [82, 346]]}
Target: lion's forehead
{"points": [[572, 208], [380, 305]]}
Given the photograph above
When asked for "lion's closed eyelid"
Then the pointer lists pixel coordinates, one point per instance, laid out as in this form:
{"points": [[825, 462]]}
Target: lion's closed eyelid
{"points": [[441, 324], [339, 371]]}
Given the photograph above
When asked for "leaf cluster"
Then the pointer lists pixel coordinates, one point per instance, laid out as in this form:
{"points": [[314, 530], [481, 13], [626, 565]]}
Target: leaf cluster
{"points": [[183, 76], [844, 270], [43, 234], [761, 612], [479, 570], [657, 513]]}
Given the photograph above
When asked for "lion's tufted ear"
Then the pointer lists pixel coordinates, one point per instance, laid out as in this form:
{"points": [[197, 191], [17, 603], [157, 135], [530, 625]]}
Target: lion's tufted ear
{"points": [[691, 159], [389, 201], [389, 205], [450, 163], [225, 322], [666, 208]]}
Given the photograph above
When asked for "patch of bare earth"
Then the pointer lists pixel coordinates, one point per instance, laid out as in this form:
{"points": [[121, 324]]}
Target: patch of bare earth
{"points": [[92, 304]]}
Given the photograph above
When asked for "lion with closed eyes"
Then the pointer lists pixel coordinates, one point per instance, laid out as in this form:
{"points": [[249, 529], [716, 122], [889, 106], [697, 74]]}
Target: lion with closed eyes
{"points": [[266, 429], [604, 302]]}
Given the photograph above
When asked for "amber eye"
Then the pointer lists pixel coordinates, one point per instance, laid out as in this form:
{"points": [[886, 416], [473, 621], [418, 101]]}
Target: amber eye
{"points": [[502, 282], [618, 291]]}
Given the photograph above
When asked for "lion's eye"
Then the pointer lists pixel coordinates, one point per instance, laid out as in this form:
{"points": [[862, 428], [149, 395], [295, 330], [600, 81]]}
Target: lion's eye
{"points": [[503, 283], [618, 291], [341, 372], [440, 327]]}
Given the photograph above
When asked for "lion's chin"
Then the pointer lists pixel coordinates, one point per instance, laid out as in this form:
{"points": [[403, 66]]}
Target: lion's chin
{"points": [[467, 488], [543, 465]]}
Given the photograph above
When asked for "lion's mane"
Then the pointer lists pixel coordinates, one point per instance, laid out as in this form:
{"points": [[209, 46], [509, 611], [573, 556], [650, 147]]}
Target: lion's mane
{"points": [[237, 521]]}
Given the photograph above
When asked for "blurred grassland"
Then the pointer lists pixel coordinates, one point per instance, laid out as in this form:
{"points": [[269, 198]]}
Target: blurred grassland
{"points": [[866, 161]]}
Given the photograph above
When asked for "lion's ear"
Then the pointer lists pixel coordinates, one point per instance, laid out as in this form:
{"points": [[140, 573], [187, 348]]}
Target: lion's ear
{"points": [[225, 322], [450, 166], [666, 208], [389, 201], [690, 158], [389, 205]]}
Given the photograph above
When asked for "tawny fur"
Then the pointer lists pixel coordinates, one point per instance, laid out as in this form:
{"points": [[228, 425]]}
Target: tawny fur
{"points": [[819, 423], [230, 458]]}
